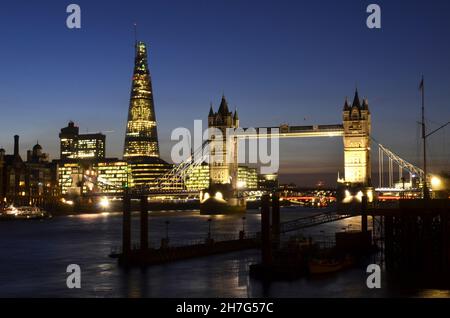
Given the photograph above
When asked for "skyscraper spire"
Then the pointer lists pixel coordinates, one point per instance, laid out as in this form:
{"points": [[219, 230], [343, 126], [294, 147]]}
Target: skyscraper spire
{"points": [[141, 139], [135, 33]]}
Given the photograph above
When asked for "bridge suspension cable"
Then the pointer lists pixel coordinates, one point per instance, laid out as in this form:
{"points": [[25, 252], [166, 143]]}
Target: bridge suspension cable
{"points": [[413, 170], [176, 177]]}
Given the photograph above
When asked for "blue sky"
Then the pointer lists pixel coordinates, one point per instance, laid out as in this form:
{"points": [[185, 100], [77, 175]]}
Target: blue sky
{"points": [[276, 61]]}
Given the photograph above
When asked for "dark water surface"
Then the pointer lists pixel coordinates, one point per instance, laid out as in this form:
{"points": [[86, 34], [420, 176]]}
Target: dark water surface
{"points": [[34, 256]]}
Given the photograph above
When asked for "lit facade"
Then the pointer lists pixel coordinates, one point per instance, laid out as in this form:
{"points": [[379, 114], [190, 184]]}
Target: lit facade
{"points": [[40, 176], [223, 167], [112, 176], [91, 146], [13, 188], [141, 139], [268, 181], [145, 172], [70, 176], [357, 129], [247, 178], [199, 178], [107, 176], [80, 146]]}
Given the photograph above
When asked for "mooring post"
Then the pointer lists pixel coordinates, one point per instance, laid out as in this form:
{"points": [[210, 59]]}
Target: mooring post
{"points": [[126, 224], [276, 218], [144, 222], [389, 241], [364, 213], [266, 248]]}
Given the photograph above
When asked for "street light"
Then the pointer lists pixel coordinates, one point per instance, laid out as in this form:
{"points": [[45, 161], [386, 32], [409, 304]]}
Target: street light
{"points": [[104, 203], [435, 182]]}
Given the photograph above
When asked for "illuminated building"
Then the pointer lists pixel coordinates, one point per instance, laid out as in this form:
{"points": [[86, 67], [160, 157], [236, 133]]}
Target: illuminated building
{"points": [[70, 176], [13, 184], [112, 175], [141, 139], [145, 172], [268, 181], [80, 146], [106, 176], [91, 146], [68, 141], [247, 178], [30, 182], [40, 176], [357, 126], [223, 167], [141, 149], [199, 178]]}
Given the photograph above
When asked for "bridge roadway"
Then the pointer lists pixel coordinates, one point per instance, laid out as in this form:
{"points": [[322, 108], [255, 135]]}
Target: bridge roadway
{"points": [[286, 131]]}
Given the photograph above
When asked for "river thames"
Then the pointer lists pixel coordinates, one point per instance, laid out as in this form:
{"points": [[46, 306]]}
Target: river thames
{"points": [[35, 254]]}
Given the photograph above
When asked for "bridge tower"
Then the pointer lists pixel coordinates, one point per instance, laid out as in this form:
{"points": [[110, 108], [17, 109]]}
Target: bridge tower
{"points": [[357, 129], [223, 155], [222, 195]]}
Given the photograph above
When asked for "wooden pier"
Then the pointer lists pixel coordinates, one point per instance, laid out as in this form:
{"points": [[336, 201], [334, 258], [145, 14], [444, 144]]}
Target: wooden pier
{"points": [[146, 256], [151, 256]]}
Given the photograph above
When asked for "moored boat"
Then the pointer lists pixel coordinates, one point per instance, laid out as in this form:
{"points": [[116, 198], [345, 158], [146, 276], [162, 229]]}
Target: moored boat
{"points": [[23, 213], [326, 266]]}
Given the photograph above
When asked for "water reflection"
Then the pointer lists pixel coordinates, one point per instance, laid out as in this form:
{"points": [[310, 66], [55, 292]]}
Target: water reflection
{"points": [[34, 257]]}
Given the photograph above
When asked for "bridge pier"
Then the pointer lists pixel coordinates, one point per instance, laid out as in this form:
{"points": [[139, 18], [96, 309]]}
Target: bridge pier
{"points": [[144, 223], [126, 225], [364, 214], [276, 218], [265, 231]]}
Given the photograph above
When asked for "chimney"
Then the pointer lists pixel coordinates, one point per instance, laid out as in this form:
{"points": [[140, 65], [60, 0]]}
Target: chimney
{"points": [[16, 145]]}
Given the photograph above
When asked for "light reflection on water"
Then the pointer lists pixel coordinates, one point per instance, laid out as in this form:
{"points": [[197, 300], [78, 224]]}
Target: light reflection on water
{"points": [[34, 257]]}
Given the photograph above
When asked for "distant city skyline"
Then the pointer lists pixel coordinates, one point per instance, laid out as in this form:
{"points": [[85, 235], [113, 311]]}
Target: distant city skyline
{"points": [[277, 62]]}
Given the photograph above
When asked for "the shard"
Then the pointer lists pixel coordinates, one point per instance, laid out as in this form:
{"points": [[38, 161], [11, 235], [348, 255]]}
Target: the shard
{"points": [[141, 139]]}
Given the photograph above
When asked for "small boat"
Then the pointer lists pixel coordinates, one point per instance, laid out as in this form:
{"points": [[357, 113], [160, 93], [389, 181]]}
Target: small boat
{"points": [[23, 213], [326, 266]]}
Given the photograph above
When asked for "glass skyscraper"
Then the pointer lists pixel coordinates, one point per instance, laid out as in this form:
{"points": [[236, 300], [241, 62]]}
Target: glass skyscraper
{"points": [[141, 139], [141, 149]]}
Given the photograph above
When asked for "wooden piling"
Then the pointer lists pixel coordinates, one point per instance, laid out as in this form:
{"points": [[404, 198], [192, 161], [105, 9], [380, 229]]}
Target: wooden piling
{"points": [[126, 225], [364, 214], [266, 234], [276, 219], [144, 223]]}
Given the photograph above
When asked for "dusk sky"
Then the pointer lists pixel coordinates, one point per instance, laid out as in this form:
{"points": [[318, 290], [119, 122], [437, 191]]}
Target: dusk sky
{"points": [[276, 61]]}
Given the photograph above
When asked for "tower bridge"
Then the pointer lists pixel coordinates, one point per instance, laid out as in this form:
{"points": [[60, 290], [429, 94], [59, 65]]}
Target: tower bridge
{"points": [[141, 149], [355, 132]]}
